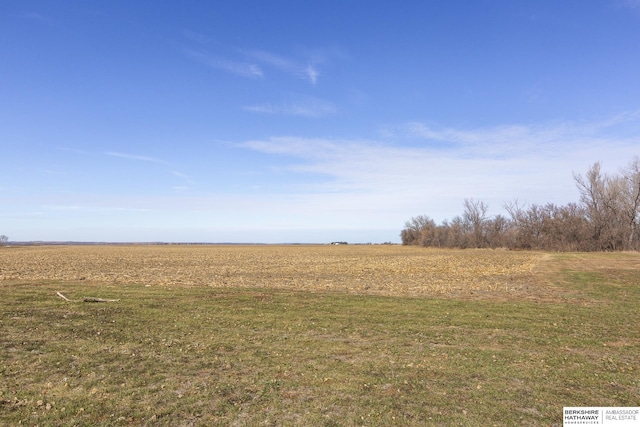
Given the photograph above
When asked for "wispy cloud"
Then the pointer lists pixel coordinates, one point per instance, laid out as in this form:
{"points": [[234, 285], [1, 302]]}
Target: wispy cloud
{"points": [[188, 181], [91, 208], [274, 60], [304, 106], [628, 4], [35, 17], [532, 163], [240, 68], [306, 70], [179, 175], [57, 172], [196, 37], [249, 63], [312, 73], [134, 157], [73, 150], [510, 140]]}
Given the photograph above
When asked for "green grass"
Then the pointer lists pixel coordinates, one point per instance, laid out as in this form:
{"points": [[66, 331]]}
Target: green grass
{"points": [[180, 356]]}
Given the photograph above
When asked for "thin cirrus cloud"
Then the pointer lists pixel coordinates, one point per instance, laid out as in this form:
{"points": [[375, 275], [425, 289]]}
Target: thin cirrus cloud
{"points": [[239, 68], [188, 182], [304, 70], [532, 163], [251, 66], [185, 178], [196, 37], [598, 138], [134, 157], [303, 106], [312, 73], [36, 18], [629, 4]]}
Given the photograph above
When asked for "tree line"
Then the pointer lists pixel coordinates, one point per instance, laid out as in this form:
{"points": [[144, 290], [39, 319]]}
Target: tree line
{"points": [[606, 218]]}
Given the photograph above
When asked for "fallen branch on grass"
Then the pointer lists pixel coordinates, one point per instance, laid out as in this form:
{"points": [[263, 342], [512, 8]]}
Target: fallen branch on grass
{"points": [[86, 299]]}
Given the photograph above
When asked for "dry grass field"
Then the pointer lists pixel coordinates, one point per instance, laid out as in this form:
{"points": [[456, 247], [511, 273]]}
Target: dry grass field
{"points": [[313, 335], [383, 270]]}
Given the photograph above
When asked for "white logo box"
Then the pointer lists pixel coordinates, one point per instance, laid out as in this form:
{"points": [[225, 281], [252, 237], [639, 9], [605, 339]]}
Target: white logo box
{"points": [[601, 416]]}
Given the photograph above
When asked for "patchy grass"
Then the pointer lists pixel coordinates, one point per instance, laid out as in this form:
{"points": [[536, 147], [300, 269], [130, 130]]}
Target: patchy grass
{"points": [[199, 355]]}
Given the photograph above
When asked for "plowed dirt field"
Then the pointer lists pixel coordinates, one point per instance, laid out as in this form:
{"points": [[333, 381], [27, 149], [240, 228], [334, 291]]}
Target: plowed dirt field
{"points": [[367, 269]]}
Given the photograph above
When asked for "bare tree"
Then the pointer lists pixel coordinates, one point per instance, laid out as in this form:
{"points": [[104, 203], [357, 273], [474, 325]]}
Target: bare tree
{"points": [[568, 229], [631, 203], [457, 235], [612, 206], [474, 217], [413, 231], [3, 240], [528, 223], [606, 218], [498, 232], [596, 199]]}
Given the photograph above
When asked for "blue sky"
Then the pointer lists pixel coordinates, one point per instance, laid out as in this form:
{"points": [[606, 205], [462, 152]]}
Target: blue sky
{"points": [[289, 121]]}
